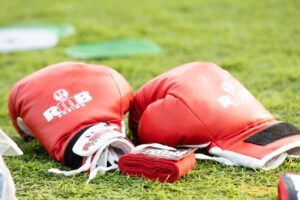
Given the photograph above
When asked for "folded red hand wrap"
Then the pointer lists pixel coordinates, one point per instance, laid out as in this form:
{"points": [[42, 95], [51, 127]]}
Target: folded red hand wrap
{"points": [[158, 164]]}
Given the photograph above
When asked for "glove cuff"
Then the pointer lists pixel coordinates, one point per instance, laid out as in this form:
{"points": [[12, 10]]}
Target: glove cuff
{"points": [[72, 159], [265, 148], [101, 145]]}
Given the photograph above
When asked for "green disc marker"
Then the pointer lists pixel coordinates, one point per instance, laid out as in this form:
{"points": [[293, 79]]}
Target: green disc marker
{"points": [[113, 48], [61, 30]]}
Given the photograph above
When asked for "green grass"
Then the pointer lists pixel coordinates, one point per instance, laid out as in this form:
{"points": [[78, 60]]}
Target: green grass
{"points": [[257, 41]]}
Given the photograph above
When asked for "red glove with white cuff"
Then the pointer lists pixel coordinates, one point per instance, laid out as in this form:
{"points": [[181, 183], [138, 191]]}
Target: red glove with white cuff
{"points": [[75, 110], [200, 104]]}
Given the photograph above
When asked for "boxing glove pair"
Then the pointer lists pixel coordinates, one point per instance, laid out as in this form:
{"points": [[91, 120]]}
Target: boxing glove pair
{"points": [[76, 111]]}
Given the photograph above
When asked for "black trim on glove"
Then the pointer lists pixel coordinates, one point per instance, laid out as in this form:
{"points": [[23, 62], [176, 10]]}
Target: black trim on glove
{"points": [[273, 133]]}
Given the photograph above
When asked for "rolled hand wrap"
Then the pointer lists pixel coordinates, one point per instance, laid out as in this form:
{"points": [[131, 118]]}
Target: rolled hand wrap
{"points": [[164, 165]]}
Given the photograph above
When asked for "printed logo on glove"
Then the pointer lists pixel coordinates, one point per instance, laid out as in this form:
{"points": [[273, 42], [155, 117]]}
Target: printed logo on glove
{"points": [[66, 104], [234, 97]]}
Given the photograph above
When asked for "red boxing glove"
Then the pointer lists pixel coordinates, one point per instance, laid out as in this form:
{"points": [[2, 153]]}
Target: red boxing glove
{"points": [[164, 164], [199, 104], [289, 187], [75, 110]]}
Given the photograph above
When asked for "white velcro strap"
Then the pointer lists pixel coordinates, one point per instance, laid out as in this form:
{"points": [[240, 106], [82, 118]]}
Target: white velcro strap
{"points": [[225, 161], [7, 146], [268, 162]]}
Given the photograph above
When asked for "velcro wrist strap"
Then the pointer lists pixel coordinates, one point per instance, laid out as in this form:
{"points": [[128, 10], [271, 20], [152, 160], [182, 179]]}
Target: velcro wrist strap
{"points": [[273, 133]]}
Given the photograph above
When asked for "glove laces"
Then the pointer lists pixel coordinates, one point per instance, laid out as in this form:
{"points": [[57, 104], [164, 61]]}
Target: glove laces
{"points": [[102, 146]]}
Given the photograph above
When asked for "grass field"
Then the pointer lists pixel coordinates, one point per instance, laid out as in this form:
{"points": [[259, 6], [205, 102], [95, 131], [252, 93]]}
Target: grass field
{"points": [[257, 41]]}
